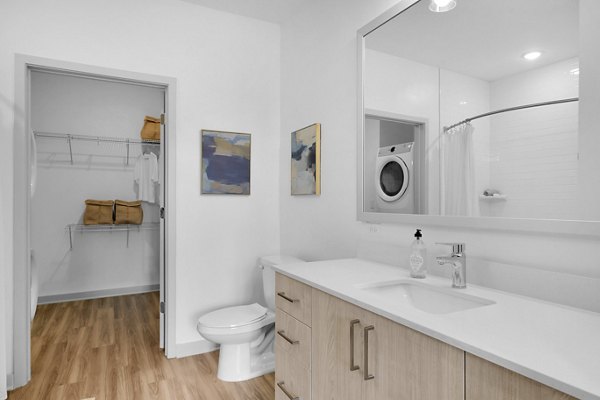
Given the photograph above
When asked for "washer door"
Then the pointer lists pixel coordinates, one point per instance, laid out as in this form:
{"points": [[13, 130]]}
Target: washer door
{"points": [[392, 178]]}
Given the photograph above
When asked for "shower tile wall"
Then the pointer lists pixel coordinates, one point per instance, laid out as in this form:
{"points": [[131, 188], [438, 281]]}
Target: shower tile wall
{"points": [[534, 152]]}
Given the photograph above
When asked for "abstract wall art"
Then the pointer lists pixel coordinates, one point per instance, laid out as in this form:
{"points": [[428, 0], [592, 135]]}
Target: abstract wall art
{"points": [[225, 162], [306, 160]]}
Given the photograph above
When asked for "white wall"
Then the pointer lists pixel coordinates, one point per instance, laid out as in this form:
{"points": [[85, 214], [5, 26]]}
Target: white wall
{"points": [[318, 84], [98, 260], [326, 226], [534, 152], [228, 78]]}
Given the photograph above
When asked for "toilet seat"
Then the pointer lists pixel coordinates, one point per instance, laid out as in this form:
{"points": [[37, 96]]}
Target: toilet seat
{"points": [[233, 317]]}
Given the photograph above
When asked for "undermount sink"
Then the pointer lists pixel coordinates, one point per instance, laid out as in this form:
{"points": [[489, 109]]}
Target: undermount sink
{"points": [[425, 297]]}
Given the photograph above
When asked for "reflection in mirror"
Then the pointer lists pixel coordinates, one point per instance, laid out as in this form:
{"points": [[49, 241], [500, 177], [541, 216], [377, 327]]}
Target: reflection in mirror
{"points": [[462, 118]]}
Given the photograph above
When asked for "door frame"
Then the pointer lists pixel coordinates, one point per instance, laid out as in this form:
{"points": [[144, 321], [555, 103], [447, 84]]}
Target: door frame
{"points": [[24, 64]]}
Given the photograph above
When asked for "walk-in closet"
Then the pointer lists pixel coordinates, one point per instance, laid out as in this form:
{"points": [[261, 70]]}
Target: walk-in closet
{"points": [[97, 186]]}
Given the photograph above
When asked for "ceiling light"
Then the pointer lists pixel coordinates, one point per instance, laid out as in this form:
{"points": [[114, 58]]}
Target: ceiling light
{"points": [[442, 5], [574, 71], [532, 55]]}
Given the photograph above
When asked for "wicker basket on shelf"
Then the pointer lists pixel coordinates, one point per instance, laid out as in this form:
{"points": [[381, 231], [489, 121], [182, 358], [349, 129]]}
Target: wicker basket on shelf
{"points": [[98, 212], [128, 212]]}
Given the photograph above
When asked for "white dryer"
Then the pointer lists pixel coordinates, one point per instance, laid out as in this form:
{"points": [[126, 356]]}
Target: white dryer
{"points": [[394, 179]]}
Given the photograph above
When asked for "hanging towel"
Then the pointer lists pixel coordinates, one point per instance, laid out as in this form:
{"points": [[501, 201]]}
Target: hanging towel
{"points": [[146, 176]]}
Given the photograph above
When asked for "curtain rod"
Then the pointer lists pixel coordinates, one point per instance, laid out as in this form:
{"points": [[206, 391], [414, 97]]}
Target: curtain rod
{"points": [[545, 103]]}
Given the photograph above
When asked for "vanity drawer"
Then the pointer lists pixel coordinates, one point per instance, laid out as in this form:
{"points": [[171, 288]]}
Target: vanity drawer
{"points": [[294, 298], [293, 338], [292, 380]]}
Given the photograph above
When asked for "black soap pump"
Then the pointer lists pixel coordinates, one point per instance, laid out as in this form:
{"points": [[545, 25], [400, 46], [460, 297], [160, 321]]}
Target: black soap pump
{"points": [[418, 257]]}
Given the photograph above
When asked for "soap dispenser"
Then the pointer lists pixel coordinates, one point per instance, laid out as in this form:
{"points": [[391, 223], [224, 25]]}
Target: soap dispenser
{"points": [[418, 257]]}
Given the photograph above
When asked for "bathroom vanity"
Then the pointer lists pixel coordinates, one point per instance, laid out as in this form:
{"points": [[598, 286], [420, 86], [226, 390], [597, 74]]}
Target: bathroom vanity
{"points": [[356, 329]]}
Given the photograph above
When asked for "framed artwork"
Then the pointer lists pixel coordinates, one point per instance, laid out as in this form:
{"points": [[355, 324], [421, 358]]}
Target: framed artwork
{"points": [[306, 160], [225, 162]]}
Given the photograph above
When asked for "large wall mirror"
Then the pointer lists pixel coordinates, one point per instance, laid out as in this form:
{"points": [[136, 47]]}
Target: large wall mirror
{"points": [[486, 114]]}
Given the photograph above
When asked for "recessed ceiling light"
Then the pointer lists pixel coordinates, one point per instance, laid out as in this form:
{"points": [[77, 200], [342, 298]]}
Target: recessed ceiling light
{"points": [[442, 5], [574, 71], [532, 55], [462, 103]]}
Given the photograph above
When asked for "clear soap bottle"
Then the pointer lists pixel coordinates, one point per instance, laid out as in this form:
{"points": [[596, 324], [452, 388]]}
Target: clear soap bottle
{"points": [[418, 257]]}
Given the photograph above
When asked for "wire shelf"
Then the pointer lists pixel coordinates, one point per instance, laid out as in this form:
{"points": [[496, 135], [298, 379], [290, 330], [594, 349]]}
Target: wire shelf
{"points": [[72, 228], [68, 138]]}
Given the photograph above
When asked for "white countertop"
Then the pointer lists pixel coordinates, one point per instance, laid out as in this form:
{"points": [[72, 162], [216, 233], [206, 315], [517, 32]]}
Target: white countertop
{"points": [[556, 345]]}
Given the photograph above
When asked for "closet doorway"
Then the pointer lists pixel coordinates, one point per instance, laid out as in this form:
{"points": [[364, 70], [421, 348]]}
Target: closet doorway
{"points": [[91, 209]]}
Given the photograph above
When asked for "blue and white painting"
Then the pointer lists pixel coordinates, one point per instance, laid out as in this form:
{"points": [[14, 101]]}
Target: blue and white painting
{"points": [[306, 160], [225, 162]]}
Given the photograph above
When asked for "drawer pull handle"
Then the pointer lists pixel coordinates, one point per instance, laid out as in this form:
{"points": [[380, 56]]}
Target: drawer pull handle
{"points": [[287, 339], [281, 386], [367, 376], [353, 367], [287, 298]]}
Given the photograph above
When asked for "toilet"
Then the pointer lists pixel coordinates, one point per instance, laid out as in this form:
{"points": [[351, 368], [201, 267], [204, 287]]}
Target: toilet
{"points": [[246, 333]]}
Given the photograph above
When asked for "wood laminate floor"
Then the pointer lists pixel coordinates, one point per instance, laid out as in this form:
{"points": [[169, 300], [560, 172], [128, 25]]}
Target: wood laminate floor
{"points": [[107, 349]]}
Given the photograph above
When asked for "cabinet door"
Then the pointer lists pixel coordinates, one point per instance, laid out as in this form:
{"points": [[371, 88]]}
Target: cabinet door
{"points": [[323, 347], [409, 365], [489, 381], [332, 377], [351, 322], [358, 355]]}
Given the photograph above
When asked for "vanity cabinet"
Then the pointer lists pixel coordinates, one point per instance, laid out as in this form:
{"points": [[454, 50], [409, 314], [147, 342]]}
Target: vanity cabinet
{"points": [[329, 349], [485, 380], [360, 355], [293, 337], [293, 297]]}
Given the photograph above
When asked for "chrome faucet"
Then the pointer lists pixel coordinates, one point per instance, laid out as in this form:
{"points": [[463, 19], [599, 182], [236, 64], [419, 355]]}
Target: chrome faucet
{"points": [[458, 261]]}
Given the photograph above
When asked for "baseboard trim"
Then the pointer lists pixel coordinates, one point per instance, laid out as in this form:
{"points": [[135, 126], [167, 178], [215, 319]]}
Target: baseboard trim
{"points": [[194, 348], [96, 294]]}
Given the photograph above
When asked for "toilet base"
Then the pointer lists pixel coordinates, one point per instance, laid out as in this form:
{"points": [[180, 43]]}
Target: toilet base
{"points": [[238, 363]]}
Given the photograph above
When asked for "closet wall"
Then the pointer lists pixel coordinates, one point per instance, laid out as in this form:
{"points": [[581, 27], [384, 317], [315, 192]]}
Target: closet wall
{"points": [[99, 262]]}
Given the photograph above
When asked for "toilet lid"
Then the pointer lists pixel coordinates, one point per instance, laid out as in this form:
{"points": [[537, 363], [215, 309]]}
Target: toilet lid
{"points": [[232, 317]]}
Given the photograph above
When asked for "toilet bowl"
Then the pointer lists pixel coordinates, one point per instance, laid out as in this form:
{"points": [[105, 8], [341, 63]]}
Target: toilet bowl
{"points": [[246, 333]]}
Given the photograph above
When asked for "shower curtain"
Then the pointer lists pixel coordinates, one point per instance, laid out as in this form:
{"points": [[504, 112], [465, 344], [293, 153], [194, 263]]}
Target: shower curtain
{"points": [[458, 172]]}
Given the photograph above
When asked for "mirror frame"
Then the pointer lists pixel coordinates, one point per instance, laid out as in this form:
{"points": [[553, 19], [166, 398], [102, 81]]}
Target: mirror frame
{"points": [[530, 225]]}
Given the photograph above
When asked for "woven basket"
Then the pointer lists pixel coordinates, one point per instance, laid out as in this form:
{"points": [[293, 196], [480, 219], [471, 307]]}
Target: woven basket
{"points": [[128, 212], [98, 212], [151, 129]]}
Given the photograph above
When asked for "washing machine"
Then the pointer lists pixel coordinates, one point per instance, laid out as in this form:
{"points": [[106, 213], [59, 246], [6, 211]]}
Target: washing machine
{"points": [[394, 179]]}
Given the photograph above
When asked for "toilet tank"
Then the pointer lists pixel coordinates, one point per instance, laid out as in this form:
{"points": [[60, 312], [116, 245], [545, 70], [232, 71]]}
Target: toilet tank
{"points": [[268, 274]]}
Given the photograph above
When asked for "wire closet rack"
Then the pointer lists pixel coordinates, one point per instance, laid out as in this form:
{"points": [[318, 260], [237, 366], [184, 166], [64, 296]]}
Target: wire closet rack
{"points": [[72, 228], [69, 139]]}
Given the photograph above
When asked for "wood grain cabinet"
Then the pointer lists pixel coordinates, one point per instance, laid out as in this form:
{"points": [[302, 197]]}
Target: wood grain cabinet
{"points": [[293, 298], [329, 349], [292, 339], [360, 355], [485, 380]]}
